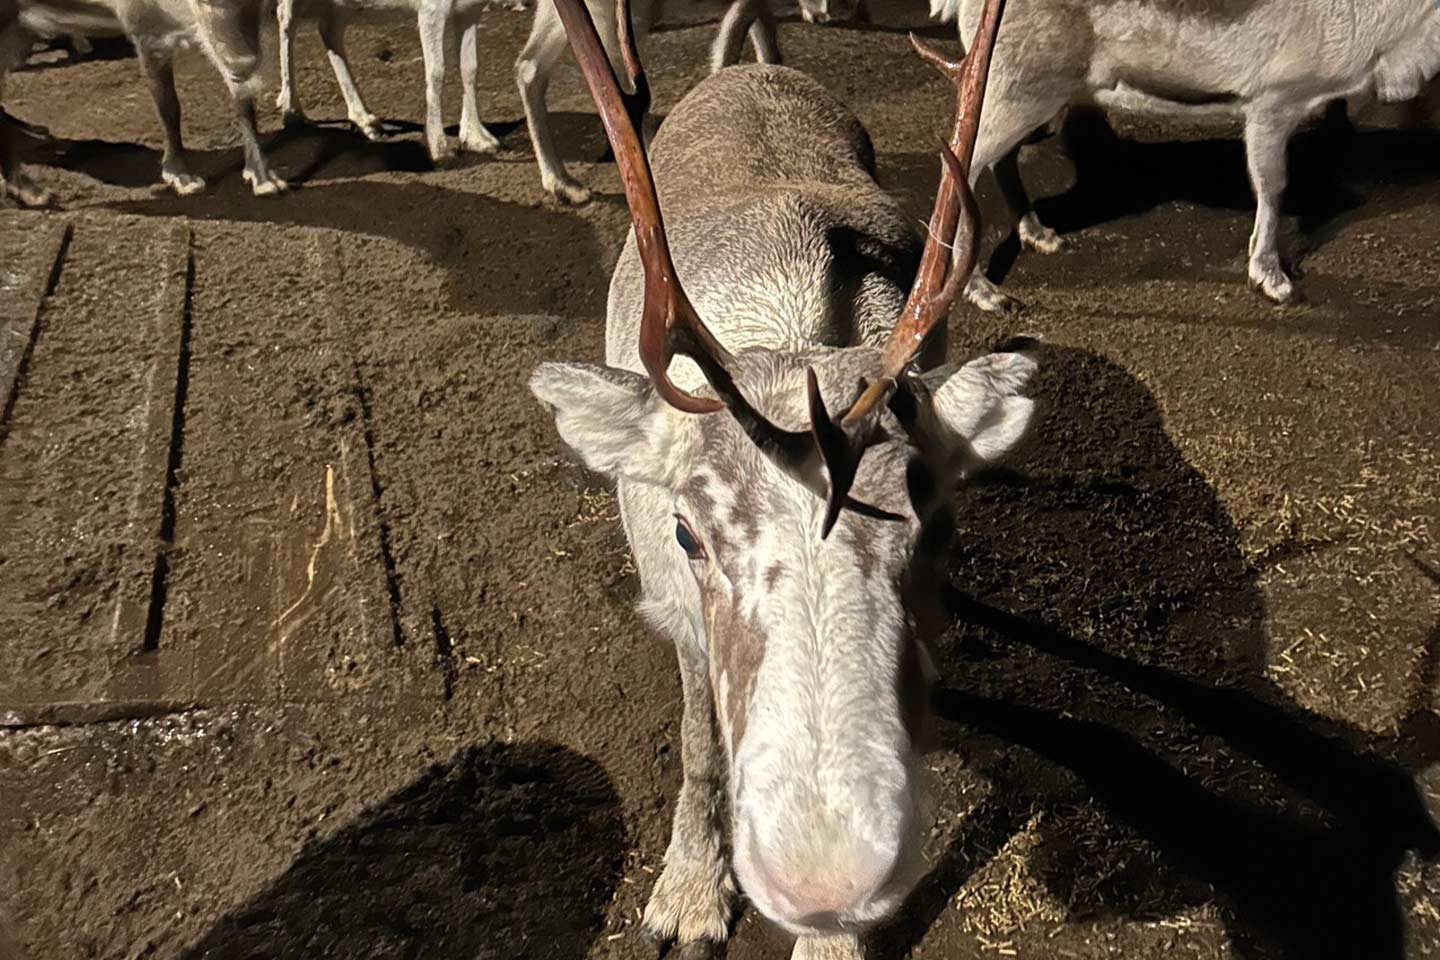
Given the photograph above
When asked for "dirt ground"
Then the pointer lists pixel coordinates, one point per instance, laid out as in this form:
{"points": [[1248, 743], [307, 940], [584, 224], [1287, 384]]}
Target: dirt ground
{"points": [[314, 642]]}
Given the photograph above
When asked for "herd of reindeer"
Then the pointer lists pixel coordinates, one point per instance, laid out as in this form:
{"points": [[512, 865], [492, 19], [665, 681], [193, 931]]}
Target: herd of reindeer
{"points": [[784, 444]]}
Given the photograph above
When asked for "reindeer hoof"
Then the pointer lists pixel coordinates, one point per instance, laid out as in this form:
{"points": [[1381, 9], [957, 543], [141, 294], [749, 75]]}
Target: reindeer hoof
{"points": [[479, 141], [690, 906], [567, 190], [441, 153], [28, 194], [1270, 279], [292, 116], [369, 126], [990, 298], [265, 183], [183, 182], [1042, 239]]}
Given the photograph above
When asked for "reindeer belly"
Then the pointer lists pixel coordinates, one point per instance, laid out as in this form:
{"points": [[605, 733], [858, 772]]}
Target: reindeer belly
{"points": [[75, 17], [1149, 57]]}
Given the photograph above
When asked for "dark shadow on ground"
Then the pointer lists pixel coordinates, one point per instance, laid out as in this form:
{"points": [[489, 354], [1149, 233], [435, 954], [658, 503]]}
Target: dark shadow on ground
{"points": [[1119, 691], [1119, 176], [301, 153], [504, 852], [486, 246], [1090, 175]]}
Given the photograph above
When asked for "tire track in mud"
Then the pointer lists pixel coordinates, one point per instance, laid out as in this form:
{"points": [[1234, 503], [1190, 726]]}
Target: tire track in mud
{"points": [[33, 280], [281, 549], [89, 425]]}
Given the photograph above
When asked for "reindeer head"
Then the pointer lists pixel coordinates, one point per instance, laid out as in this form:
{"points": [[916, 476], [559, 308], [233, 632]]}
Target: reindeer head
{"points": [[802, 542]]}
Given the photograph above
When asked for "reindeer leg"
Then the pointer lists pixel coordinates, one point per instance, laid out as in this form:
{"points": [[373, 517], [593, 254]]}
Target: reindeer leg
{"points": [[693, 900], [842, 946], [15, 45], [1267, 130], [743, 18], [434, 18], [1012, 112], [1033, 233], [14, 181], [332, 34], [532, 73], [288, 100], [473, 135], [763, 34], [160, 75]]}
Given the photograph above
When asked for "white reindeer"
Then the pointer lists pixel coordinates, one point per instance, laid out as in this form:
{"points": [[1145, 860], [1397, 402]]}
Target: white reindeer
{"points": [[796, 579], [1269, 63], [439, 19], [228, 32]]}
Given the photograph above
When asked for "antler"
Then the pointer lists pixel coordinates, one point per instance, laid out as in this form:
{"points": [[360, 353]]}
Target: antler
{"points": [[669, 323], [953, 226]]}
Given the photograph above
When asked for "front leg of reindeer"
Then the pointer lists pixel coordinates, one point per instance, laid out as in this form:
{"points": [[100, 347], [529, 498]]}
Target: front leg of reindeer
{"points": [[839, 946], [694, 898]]}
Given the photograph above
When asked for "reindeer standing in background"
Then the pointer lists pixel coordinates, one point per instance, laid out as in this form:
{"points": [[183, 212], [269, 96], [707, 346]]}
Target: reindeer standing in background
{"points": [[228, 33], [438, 19], [790, 555], [1267, 63]]}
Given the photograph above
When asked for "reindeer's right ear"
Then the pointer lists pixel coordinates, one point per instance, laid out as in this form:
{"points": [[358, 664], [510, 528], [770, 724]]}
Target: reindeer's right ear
{"points": [[613, 419]]}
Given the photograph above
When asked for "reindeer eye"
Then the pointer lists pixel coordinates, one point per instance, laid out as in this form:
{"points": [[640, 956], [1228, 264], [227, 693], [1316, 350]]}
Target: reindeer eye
{"points": [[687, 540]]}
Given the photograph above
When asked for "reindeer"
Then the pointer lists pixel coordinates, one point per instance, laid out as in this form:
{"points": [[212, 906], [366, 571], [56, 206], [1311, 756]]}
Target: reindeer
{"points": [[752, 18], [228, 32], [788, 554], [1269, 63]]}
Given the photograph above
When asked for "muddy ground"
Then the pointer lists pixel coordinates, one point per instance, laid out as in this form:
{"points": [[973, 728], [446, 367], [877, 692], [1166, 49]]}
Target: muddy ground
{"points": [[315, 643]]}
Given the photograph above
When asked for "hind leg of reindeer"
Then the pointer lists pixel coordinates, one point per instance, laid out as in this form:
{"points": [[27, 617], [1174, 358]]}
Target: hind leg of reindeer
{"points": [[1033, 233], [473, 135], [1000, 138], [332, 34], [288, 100], [537, 61], [1267, 131], [1012, 112], [532, 73], [230, 36], [752, 18], [15, 183], [695, 895], [160, 76]]}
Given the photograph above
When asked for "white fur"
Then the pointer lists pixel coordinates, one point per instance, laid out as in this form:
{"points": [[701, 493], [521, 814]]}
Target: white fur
{"points": [[1271, 63], [227, 32], [804, 639]]}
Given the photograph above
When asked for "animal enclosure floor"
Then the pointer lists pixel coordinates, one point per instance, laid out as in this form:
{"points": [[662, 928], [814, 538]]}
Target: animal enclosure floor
{"points": [[314, 642]]}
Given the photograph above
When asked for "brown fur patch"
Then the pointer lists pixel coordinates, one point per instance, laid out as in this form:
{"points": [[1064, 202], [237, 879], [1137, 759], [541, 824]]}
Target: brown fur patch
{"points": [[736, 651]]}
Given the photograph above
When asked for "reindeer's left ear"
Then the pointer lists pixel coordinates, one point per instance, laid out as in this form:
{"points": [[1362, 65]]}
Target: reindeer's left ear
{"points": [[981, 402]]}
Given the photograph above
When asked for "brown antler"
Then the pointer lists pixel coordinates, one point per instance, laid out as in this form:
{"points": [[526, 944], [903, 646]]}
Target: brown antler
{"points": [[952, 232], [669, 324]]}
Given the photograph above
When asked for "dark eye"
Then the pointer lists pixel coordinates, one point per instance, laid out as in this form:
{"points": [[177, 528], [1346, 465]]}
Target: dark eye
{"points": [[687, 540]]}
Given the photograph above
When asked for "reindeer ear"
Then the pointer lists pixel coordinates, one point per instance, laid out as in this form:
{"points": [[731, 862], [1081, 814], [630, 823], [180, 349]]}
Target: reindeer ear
{"points": [[981, 402], [612, 418]]}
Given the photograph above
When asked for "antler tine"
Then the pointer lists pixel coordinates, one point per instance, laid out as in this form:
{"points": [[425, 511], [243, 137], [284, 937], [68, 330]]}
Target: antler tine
{"points": [[637, 103], [955, 212], [937, 282], [669, 323]]}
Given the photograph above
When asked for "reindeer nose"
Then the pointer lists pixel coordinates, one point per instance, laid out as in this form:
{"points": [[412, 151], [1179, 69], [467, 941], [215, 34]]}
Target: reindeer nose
{"points": [[819, 889]]}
